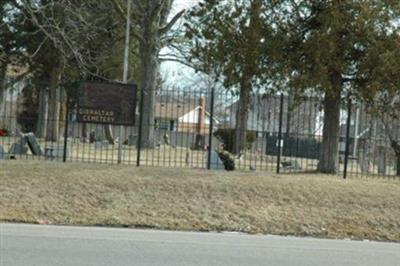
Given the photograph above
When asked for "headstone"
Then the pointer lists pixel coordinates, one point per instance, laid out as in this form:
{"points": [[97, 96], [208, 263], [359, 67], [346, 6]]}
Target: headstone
{"points": [[22, 140], [33, 144], [3, 154], [166, 139], [132, 140], [92, 137], [291, 165], [18, 149], [55, 152], [240, 156], [215, 162], [101, 144]]}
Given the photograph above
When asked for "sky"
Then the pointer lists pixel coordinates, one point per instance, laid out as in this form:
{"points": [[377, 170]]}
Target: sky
{"points": [[183, 4], [175, 74]]}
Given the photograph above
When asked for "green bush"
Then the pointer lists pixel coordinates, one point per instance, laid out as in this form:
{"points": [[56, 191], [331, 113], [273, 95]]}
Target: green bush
{"points": [[227, 136], [227, 159], [251, 137]]}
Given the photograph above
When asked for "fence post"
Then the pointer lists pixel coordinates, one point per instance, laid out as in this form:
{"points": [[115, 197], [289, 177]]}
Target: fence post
{"points": [[278, 164], [210, 131], [66, 130], [139, 139], [347, 149]]}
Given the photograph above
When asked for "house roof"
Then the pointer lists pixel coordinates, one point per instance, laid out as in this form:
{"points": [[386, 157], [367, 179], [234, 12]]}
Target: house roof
{"points": [[173, 110]]}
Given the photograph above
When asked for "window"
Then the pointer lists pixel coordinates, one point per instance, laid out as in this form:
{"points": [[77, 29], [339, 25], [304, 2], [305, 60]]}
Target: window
{"points": [[172, 125], [163, 124]]}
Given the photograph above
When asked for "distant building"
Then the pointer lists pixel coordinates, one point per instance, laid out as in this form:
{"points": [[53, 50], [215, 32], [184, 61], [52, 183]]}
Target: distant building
{"points": [[179, 116], [299, 118]]}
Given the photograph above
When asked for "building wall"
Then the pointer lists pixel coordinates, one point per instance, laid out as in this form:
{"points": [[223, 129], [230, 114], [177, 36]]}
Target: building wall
{"points": [[264, 116], [192, 128]]}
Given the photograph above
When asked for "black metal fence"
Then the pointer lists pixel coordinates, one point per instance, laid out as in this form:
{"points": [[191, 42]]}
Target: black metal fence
{"points": [[190, 128]]}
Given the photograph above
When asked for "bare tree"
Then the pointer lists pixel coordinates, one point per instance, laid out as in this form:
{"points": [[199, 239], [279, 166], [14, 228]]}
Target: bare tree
{"points": [[73, 26], [81, 34], [150, 25], [389, 113]]}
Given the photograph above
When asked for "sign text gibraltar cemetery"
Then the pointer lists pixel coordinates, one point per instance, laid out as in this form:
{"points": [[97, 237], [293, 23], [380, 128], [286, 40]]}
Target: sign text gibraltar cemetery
{"points": [[107, 103]]}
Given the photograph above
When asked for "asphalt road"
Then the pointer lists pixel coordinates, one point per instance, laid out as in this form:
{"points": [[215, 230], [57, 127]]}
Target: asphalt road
{"points": [[40, 245]]}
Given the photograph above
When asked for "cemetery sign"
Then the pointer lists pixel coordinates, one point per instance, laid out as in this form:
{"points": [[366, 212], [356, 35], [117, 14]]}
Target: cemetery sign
{"points": [[106, 103]]}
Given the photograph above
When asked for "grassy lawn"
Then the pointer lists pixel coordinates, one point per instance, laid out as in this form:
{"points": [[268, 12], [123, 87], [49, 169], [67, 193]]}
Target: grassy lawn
{"points": [[187, 199]]}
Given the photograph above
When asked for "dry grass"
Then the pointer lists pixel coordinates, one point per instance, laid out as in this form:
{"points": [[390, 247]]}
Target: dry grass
{"points": [[183, 199]]}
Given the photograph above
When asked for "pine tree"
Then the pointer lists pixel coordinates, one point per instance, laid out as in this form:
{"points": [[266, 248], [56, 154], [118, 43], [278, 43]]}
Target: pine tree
{"points": [[326, 46], [227, 41]]}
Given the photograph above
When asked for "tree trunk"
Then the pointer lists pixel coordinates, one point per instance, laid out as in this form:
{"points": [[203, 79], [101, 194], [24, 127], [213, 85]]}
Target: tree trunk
{"points": [[109, 134], [289, 114], [2, 99], [149, 74], [43, 113], [84, 134], [2, 91], [153, 18], [242, 117], [396, 148], [63, 111], [53, 133], [329, 157]]}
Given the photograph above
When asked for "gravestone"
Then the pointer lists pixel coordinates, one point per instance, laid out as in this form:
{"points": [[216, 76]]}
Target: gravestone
{"points": [[291, 165], [215, 162], [55, 152], [132, 140], [166, 139], [22, 140], [92, 137], [101, 144], [33, 144], [3, 154], [18, 149]]}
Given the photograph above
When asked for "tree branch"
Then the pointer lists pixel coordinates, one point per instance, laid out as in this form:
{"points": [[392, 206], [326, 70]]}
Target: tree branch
{"points": [[170, 24], [121, 11], [119, 8]]}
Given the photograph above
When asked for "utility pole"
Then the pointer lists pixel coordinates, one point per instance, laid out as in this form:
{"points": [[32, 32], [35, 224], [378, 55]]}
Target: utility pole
{"points": [[126, 68]]}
